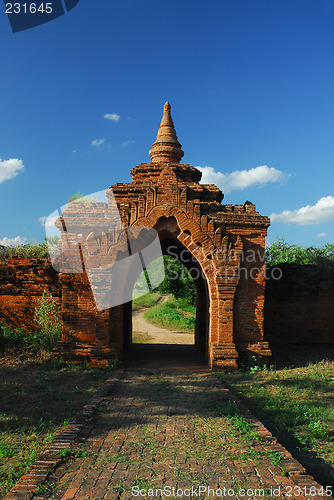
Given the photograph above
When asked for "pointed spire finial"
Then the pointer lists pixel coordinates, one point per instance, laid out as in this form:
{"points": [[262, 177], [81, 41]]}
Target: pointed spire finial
{"points": [[166, 148]]}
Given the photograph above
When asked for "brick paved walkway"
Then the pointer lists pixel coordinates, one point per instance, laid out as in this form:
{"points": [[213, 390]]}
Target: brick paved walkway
{"points": [[170, 430]]}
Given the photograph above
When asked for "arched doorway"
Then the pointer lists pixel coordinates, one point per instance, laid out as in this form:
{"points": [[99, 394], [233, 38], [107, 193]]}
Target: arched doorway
{"points": [[169, 231], [166, 314], [220, 239]]}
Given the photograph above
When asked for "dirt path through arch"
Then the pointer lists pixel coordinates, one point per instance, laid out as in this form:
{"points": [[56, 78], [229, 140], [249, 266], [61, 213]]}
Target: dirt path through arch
{"points": [[145, 332]]}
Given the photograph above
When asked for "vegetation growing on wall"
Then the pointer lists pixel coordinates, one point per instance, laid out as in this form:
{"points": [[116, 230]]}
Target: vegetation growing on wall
{"points": [[37, 251], [278, 252], [28, 250], [81, 198]]}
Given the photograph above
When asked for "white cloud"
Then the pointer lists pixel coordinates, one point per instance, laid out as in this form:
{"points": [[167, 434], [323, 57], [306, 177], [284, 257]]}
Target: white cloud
{"points": [[112, 116], [322, 211], [242, 179], [321, 235], [127, 143], [98, 142], [50, 220], [10, 168], [12, 242]]}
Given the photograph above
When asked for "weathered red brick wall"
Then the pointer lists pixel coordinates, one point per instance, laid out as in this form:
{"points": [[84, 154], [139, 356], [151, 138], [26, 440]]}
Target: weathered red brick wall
{"points": [[300, 306], [22, 283], [249, 297]]}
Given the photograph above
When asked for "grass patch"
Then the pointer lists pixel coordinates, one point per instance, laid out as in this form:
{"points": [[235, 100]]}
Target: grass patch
{"points": [[175, 314], [19, 343], [296, 404], [248, 432], [239, 421], [148, 300], [37, 400]]}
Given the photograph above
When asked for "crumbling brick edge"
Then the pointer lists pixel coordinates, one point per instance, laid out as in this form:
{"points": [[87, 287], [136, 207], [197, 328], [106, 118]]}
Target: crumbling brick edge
{"points": [[81, 426], [293, 469]]}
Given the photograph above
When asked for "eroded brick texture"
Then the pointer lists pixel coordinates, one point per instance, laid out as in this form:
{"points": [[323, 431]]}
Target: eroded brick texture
{"points": [[22, 283], [189, 216], [299, 306]]}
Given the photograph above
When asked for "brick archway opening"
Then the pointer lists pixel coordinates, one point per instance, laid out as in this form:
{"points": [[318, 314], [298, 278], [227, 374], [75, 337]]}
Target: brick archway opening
{"points": [[168, 231], [227, 240], [166, 297]]}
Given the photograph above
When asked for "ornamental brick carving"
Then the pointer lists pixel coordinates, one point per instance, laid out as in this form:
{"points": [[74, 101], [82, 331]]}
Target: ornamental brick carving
{"points": [[224, 243]]}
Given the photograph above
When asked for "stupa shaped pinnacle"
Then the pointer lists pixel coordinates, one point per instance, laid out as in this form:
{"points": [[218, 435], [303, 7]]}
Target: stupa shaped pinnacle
{"points": [[166, 148]]}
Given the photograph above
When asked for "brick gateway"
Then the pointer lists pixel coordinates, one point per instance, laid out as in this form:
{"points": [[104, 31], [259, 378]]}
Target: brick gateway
{"points": [[217, 239]]}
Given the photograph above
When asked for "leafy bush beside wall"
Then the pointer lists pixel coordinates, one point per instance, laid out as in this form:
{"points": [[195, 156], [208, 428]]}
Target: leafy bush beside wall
{"points": [[28, 251], [281, 252]]}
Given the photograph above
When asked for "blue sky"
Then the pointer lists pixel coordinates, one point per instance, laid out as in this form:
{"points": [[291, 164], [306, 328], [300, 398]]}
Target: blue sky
{"points": [[250, 84]]}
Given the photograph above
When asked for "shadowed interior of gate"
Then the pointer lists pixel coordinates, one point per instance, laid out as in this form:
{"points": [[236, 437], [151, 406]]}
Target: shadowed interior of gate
{"points": [[172, 353]]}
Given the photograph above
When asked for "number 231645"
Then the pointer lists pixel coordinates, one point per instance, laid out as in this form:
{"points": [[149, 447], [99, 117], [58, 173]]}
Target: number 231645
{"points": [[29, 8]]}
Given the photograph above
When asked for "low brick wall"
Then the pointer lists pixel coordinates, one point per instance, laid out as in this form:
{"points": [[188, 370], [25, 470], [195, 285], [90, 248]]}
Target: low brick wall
{"points": [[300, 306], [22, 283]]}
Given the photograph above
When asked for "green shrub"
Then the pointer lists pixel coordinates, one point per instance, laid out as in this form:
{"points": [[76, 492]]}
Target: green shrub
{"points": [[281, 252], [81, 198], [14, 339], [315, 263], [177, 281], [48, 319], [29, 251], [19, 340]]}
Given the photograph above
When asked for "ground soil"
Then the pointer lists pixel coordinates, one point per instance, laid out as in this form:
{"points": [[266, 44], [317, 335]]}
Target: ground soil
{"points": [[144, 331]]}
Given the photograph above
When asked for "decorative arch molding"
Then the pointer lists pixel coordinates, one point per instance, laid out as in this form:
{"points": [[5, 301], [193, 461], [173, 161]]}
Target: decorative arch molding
{"points": [[168, 196]]}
